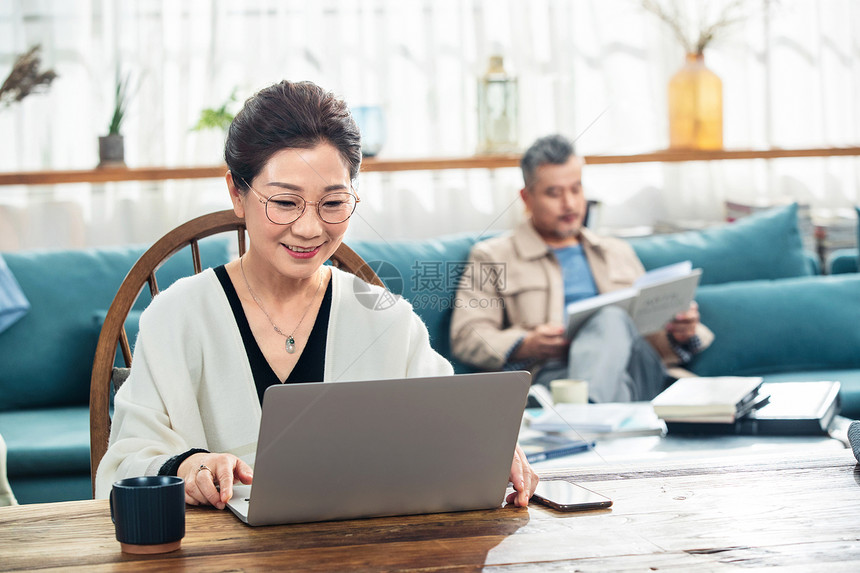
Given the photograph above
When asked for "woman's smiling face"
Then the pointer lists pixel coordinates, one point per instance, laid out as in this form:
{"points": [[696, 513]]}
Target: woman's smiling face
{"points": [[298, 249]]}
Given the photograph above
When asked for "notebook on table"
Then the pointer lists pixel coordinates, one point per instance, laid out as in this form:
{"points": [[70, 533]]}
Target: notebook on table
{"points": [[707, 397], [792, 409], [343, 450]]}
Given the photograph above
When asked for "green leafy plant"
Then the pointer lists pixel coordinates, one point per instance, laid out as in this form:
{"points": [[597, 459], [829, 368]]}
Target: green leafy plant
{"points": [[121, 99], [217, 118], [25, 78]]}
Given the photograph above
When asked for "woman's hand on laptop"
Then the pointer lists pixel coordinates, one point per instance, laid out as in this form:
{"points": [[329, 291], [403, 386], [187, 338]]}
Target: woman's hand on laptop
{"points": [[523, 478], [209, 478]]}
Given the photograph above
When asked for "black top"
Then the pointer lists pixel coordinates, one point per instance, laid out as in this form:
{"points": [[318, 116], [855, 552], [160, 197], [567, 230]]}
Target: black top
{"points": [[311, 364]]}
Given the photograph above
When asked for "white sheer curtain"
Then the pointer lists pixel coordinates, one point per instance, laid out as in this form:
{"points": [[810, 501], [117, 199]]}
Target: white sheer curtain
{"points": [[592, 69]]}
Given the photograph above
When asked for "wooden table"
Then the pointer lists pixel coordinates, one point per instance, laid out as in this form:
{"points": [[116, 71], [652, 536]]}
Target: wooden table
{"points": [[801, 511]]}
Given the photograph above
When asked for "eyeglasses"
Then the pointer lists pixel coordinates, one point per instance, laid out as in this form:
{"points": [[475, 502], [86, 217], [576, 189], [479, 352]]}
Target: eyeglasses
{"points": [[286, 208]]}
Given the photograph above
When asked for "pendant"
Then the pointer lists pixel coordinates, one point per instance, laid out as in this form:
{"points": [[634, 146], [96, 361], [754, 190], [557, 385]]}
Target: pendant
{"points": [[290, 345]]}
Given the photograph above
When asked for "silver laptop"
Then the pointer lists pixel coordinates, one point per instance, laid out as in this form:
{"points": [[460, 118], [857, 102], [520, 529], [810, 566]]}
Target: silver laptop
{"points": [[343, 450]]}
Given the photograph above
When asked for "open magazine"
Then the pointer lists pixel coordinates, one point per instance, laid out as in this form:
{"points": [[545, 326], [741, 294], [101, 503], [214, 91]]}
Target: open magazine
{"points": [[653, 300]]}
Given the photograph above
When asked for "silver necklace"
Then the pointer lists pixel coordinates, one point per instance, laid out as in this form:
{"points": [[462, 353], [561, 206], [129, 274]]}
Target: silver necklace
{"points": [[290, 343]]}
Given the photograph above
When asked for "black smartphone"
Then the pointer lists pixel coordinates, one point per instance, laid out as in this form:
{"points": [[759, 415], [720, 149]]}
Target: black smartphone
{"points": [[566, 496]]}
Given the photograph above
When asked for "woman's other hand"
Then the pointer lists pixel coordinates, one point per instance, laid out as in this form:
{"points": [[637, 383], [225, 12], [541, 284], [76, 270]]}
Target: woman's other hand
{"points": [[209, 478], [524, 478]]}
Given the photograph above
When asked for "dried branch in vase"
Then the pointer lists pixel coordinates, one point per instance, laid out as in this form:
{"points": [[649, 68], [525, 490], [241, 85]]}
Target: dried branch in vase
{"points": [[25, 78], [705, 31]]}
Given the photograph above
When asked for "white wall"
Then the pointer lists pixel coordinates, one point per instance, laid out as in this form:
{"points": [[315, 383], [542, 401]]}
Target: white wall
{"points": [[596, 70]]}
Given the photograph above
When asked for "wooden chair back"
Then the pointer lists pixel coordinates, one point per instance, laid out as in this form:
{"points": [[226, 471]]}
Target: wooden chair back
{"points": [[105, 374]]}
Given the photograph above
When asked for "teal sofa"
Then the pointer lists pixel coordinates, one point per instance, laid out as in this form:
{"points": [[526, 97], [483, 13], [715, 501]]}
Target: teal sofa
{"points": [[772, 313], [46, 360]]}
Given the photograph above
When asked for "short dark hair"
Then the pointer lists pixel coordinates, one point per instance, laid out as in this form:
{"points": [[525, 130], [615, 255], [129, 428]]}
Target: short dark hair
{"points": [[289, 115], [555, 149]]}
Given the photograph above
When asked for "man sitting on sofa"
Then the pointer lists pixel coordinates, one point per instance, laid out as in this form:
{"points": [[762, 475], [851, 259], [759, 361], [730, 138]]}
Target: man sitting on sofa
{"points": [[509, 309]]}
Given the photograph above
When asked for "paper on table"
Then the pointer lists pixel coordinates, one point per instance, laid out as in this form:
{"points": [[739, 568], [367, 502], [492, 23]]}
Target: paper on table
{"points": [[596, 418]]}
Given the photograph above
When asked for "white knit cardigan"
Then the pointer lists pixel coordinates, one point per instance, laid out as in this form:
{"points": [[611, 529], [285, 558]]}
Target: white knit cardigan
{"points": [[191, 384]]}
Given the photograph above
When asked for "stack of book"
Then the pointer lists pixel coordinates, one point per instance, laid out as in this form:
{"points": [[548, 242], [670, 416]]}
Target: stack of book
{"points": [[716, 400], [835, 230], [744, 405]]}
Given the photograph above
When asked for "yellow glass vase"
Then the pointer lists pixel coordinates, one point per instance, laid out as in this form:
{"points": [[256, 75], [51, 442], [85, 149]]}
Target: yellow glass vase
{"points": [[695, 107]]}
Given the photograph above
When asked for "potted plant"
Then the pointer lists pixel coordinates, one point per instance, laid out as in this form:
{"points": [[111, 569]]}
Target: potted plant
{"points": [[111, 146], [218, 118]]}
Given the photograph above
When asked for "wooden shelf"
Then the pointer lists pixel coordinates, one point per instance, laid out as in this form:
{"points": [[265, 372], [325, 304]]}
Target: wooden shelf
{"points": [[672, 156], [373, 164], [110, 174]]}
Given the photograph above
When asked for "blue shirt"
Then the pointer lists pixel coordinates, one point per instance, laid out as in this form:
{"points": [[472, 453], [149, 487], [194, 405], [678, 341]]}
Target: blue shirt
{"points": [[578, 284], [576, 274]]}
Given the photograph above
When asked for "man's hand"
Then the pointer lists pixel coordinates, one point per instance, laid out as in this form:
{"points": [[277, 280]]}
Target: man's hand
{"points": [[545, 341], [202, 472], [683, 326], [524, 478]]}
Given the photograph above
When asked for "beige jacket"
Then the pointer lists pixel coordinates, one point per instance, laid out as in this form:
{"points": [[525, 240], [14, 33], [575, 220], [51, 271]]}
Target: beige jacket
{"points": [[515, 284]]}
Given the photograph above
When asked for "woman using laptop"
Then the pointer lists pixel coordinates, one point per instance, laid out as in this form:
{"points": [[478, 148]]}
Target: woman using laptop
{"points": [[212, 343]]}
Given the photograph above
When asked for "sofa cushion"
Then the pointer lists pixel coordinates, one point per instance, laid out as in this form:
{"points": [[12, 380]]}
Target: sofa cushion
{"points": [[785, 325], [842, 261], [765, 245], [49, 488], [425, 273], [47, 355], [47, 442]]}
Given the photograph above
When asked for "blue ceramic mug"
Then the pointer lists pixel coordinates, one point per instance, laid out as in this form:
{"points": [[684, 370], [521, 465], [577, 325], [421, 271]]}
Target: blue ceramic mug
{"points": [[149, 513]]}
